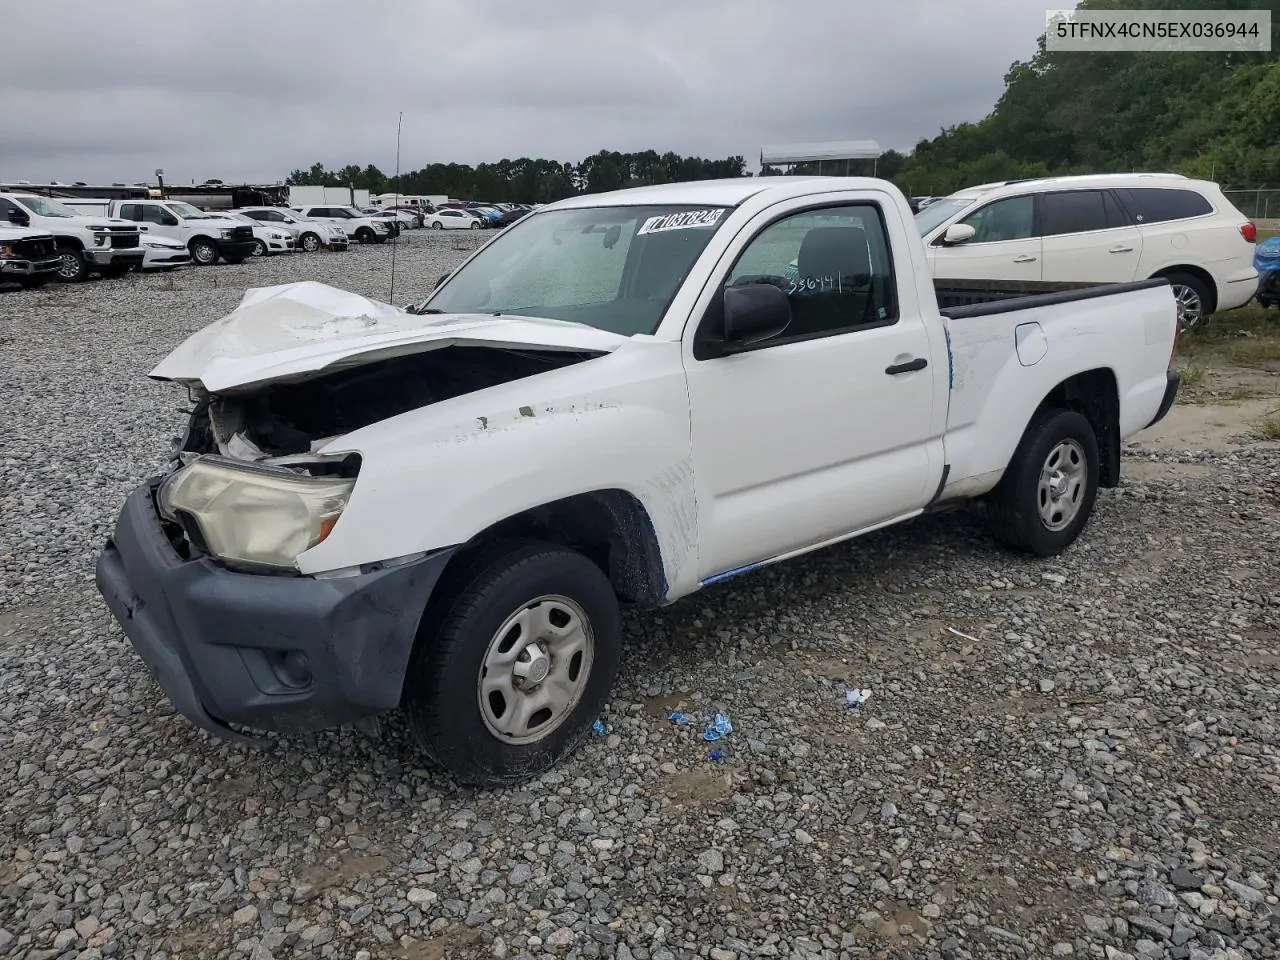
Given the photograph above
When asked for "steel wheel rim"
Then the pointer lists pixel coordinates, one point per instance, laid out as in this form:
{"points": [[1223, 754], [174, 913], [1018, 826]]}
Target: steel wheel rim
{"points": [[68, 266], [205, 254], [1190, 309], [1060, 493], [535, 670]]}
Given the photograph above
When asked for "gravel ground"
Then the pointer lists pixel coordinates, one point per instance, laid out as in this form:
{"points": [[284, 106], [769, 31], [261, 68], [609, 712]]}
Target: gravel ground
{"points": [[1090, 767]]}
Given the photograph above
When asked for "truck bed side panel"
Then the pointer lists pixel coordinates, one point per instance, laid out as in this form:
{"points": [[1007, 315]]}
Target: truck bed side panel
{"points": [[1007, 357]]}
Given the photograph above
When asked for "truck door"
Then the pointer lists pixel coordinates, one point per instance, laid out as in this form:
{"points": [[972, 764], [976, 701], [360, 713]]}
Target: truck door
{"points": [[833, 426], [158, 221]]}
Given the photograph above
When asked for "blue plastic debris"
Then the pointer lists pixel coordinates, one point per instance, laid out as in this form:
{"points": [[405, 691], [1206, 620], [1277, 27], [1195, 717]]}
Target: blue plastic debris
{"points": [[600, 727], [715, 756], [855, 698], [683, 719], [718, 728]]}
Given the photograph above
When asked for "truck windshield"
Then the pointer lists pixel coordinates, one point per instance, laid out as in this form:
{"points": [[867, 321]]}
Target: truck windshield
{"points": [[44, 207], [940, 211], [613, 268], [187, 212]]}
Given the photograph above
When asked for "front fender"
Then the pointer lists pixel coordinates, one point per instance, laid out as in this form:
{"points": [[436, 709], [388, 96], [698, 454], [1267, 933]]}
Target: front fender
{"points": [[438, 476]]}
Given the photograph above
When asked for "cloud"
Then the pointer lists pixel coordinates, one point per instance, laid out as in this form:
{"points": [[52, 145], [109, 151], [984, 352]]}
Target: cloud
{"points": [[256, 89]]}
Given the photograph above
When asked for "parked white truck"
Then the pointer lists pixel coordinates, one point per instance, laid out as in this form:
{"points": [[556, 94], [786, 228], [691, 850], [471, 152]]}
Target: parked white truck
{"points": [[619, 399], [28, 257], [85, 244], [209, 236]]}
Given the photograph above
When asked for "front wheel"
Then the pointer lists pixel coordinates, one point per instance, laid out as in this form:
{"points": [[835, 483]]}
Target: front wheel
{"points": [[517, 664], [310, 242], [1048, 490], [437, 225], [204, 252], [259, 248], [475, 224], [73, 268]]}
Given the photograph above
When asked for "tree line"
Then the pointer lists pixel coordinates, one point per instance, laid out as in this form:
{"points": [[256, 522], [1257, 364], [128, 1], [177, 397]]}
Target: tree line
{"points": [[1209, 115]]}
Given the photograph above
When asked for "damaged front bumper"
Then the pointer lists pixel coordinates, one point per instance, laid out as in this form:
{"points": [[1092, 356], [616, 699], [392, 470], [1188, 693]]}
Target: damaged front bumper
{"points": [[282, 653]]}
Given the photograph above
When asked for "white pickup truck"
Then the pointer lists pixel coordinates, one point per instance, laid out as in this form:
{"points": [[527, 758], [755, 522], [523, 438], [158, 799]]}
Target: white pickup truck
{"points": [[619, 399], [209, 236], [85, 243]]}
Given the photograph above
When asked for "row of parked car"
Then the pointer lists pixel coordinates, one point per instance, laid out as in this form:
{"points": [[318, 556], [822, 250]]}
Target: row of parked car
{"points": [[43, 238], [456, 215]]}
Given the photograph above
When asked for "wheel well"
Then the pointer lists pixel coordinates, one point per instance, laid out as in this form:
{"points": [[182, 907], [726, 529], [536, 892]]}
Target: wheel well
{"points": [[1202, 275], [194, 240], [610, 527], [73, 242], [1094, 394]]}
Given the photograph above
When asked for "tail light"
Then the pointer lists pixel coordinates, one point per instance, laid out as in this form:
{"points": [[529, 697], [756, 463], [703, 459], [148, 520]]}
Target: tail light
{"points": [[1249, 231]]}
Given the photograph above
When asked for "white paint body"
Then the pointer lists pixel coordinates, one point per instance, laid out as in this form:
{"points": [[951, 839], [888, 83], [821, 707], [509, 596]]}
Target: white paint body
{"points": [[282, 218], [739, 460], [163, 218], [1124, 252]]}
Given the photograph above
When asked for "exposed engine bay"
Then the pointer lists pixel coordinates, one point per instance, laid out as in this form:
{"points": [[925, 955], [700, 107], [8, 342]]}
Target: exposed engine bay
{"points": [[287, 420]]}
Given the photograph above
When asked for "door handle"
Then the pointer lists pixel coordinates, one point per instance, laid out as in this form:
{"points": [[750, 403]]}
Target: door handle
{"points": [[1120, 250], [911, 366], [1024, 259]]}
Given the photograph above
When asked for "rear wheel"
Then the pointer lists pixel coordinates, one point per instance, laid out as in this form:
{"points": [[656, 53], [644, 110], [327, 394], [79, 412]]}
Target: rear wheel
{"points": [[204, 252], [515, 667], [1048, 490], [1195, 299], [73, 267]]}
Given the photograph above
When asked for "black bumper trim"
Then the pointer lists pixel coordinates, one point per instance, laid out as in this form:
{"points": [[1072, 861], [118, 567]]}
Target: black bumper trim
{"points": [[1172, 379], [232, 249], [214, 640]]}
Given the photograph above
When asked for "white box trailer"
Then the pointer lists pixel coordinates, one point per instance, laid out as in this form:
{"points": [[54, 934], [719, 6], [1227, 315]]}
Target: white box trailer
{"points": [[331, 196], [416, 200]]}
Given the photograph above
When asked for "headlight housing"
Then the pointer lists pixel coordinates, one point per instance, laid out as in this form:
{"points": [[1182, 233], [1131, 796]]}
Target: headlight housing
{"points": [[251, 515], [8, 251], [227, 233]]}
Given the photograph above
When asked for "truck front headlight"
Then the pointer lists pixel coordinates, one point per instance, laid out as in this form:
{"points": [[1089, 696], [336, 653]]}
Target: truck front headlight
{"points": [[254, 515], [227, 233]]}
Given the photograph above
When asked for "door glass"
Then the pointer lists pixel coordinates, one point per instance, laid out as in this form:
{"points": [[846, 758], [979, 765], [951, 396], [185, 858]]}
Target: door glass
{"points": [[1009, 219], [833, 264], [1072, 211]]}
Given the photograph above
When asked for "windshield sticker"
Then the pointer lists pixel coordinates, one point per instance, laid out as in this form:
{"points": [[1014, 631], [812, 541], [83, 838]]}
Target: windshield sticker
{"points": [[680, 221]]}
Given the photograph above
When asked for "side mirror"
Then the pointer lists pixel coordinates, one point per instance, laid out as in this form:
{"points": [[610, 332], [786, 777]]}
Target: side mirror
{"points": [[18, 218], [958, 233], [754, 312]]}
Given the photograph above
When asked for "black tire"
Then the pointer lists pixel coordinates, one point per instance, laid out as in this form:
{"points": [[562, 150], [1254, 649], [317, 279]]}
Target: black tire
{"points": [[259, 249], [363, 235], [204, 252], [441, 692], [34, 283], [1195, 299], [73, 268], [310, 242], [1015, 515], [475, 224], [437, 225], [234, 261], [114, 272]]}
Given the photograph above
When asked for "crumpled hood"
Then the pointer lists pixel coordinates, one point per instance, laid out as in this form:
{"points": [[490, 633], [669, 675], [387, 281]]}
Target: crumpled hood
{"points": [[294, 330]]}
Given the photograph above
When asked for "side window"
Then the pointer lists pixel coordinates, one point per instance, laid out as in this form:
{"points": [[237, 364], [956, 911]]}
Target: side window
{"points": [[834, 265], [1072, 211], [157, 215], [1160, 204], [1010, 219], [131, 211], [256, 214]]}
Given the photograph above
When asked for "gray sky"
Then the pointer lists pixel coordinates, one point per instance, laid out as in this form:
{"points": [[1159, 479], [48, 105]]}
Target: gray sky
{"points": [[251, 90]]}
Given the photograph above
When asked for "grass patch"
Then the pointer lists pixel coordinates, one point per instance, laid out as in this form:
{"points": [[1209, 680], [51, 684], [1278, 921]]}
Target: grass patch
{"points": [[1270, 428], [1246, 337], [1193, 376]]}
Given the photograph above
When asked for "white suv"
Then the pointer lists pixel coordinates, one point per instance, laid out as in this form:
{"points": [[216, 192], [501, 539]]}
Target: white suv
{"points": [[360, 228], [1107, 228]]}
